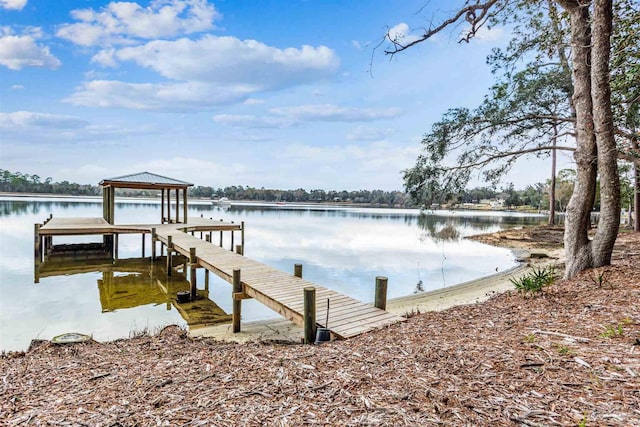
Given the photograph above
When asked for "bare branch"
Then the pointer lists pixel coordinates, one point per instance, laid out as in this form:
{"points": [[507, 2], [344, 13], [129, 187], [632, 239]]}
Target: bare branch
{"points": [[475, 14], [504, 154]]}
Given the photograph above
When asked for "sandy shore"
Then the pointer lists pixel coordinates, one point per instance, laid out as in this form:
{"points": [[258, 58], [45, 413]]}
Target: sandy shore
{"points": [[471, 292]]}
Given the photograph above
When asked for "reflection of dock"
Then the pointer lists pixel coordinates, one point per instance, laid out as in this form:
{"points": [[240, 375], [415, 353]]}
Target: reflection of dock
{"points": [[130, 283], [280, 291], [156, 288], [291, 296]]}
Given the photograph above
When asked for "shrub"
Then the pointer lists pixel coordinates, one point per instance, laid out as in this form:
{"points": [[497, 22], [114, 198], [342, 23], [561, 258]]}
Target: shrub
{"points": [[535, 281]]}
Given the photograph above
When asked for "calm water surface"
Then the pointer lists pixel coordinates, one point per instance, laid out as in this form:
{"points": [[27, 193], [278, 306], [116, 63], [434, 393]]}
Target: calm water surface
{"points": [[340, 248]]}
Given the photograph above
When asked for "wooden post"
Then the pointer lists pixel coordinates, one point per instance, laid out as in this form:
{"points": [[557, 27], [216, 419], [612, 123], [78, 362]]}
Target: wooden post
{"points": [[192, 274], [309, 315], [169, 205], [37, 250], [115, 247], [112, 205], [220, 238], [237, 302], [105, 203], [153, 244], [162, 204], [184, 204], [206, 280], [177, 205], [297, 270], [207, 238], [242, 236], [231, 240], [143, 240], [381, 293], [169, 246], [239, 249]]}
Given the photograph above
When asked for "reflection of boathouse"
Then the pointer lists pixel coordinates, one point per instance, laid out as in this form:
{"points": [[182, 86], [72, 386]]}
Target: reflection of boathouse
{"points": [[130, 283]]}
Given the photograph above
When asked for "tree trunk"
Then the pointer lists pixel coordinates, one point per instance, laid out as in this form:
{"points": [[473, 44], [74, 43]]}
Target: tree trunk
{"points": [[609, 222], [636, 192], [552, 189], [578, 216]]}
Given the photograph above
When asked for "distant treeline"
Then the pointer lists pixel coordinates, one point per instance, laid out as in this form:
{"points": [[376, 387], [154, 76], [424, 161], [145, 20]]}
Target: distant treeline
{"points": [[375, 197], [534, 195], [18, 182]]}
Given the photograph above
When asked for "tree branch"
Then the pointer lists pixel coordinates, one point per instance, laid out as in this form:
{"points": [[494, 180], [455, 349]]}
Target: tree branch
{"points": [[470, 13], [504, 154]]}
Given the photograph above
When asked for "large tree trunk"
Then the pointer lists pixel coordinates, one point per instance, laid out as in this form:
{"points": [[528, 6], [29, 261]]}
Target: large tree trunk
{"points": [[552, 189], [636, 193], [576, 241], [609, 222], [596, 149]]}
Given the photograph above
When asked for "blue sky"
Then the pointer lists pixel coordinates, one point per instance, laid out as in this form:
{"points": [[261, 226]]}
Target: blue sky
{"points": [[275, 94]]}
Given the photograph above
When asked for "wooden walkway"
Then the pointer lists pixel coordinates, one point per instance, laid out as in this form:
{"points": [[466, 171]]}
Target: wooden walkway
{"points": [[280, 291]]}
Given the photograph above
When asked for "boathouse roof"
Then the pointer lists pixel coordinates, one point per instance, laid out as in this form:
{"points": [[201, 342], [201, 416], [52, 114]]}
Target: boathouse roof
{"points": [[146, 180]]}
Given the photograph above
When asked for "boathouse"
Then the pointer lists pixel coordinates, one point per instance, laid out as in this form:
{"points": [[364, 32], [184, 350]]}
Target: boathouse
{"points": [[147, 181]]}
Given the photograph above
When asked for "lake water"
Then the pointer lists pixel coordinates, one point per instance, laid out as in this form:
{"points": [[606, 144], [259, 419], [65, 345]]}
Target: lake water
{"points": [[340, 248]]}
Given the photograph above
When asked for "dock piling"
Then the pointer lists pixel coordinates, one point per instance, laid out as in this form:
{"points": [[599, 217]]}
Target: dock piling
{"points": [[309, 315], [169, 247], [237, 301], [153, 244], [37, 254], [193, 264], [242, 236], [297, 270], [381, 293]]}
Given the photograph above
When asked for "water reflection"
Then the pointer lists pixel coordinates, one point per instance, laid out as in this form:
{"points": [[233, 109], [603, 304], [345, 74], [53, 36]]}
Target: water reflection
{"points": [[130, 283], [341, 248]]}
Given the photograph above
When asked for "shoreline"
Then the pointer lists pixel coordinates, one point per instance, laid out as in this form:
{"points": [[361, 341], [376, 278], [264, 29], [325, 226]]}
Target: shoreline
{"points": [[470, 292]]}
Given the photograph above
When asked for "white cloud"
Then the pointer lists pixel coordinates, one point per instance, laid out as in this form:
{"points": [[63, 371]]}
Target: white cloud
{"points": [[231, 60], [210, 71], [290, 116], [19, 51], [362, 133], [13, 4], [489, 35], [400, 34], [29, 119], [106, 58], [124, 22], [185, 96], [358, 165], [253, 101], [17, 87], [335, 113], [252, 121]]}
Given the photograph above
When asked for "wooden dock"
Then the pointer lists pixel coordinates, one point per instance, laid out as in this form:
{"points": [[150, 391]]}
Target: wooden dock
{"points": [[282, 292]]}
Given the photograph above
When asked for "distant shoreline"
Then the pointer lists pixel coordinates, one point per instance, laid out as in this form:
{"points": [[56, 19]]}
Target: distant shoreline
{"points": [[203, 201]]}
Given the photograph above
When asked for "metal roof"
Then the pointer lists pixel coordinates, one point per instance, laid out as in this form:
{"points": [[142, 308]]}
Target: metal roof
{"points": [[145, 178]]}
